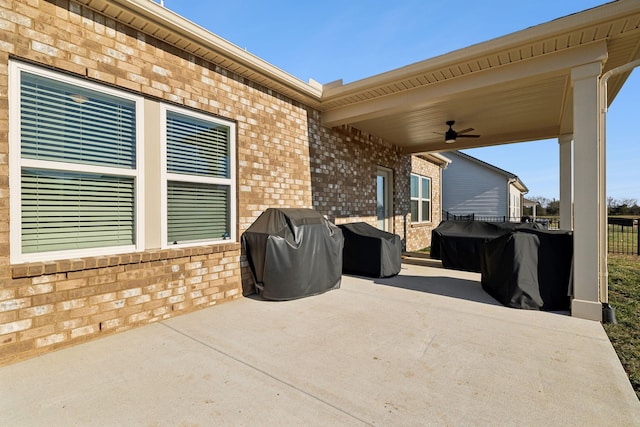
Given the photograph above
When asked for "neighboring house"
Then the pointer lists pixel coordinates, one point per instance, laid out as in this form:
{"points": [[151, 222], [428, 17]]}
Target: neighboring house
{"points": [[471, 186], [141, 147]]}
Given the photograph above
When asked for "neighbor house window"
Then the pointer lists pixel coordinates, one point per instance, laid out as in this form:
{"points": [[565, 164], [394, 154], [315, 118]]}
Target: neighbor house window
{"points": [[74, 167], [200, 178], [515, 207], [420, 198]]}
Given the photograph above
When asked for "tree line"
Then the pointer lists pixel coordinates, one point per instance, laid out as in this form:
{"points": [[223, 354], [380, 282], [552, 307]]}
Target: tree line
{"points": [[551, 207], [622, 206]]}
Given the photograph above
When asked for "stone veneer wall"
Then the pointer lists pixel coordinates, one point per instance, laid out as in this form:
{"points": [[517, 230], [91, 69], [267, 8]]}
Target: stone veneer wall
{"points": [[343, 172], [419, 235], [344, 163], [285, 159]]}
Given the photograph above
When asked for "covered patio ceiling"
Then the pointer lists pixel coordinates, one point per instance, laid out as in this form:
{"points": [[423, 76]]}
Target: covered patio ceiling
{"points": [[511, 89]]}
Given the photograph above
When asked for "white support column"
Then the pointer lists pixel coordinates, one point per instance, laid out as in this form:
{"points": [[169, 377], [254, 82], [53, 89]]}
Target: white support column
{"points": [[566, 181], [588, 193]]}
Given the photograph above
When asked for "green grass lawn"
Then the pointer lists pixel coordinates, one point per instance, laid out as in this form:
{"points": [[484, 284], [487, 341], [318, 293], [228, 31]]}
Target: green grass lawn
{"points": [[624, 296]]}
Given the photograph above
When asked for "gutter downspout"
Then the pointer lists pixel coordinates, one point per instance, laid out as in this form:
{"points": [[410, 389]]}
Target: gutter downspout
{"points": [[608, 312], [442, 168]]}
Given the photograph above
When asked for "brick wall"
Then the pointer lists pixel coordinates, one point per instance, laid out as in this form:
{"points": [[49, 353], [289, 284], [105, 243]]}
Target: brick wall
{"points": [[285, 159], [56, 304], [343, 175], [44, 306], [343, 172], [419, 234]]}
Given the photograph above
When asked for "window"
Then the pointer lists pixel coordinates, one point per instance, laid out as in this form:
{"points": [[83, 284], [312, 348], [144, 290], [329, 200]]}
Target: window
{"points": [[199, 178], [77, 183], [420, 198], [74, 173], [514, 211]]}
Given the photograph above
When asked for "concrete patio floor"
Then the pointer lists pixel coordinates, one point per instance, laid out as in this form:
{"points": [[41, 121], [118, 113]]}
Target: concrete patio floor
{"points": [[427, 347]]}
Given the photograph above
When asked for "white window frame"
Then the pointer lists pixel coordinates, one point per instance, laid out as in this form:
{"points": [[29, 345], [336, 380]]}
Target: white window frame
{"points": [[420, 199], [16, 163], [166, 177]]}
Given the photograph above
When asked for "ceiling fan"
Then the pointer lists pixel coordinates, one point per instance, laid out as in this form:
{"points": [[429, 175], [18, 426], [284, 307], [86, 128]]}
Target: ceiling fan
{"points": [[451, 135]]}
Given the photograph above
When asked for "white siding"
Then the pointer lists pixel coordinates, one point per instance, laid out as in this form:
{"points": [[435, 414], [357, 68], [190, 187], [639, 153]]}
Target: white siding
{"points": [[468, 187]]}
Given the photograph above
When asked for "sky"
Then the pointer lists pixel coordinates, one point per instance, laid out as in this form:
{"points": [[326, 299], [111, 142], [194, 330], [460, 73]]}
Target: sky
{"points": [[354, 39]]}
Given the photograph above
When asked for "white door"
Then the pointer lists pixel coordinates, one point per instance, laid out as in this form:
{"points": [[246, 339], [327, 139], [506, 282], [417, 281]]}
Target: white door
{"points": [[383, 198]]}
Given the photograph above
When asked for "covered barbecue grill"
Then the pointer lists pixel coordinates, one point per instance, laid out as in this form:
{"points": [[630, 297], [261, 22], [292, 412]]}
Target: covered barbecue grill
{"points": [[293, 253], [369, 251]]}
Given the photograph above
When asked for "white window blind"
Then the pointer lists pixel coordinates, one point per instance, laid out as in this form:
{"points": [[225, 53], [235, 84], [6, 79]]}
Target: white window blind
{"points": [[415, 197], [420, 198], [65, 210], [197, 211], [425, 199], [68, 133], [199, 179], [197, 147], [66, 123]]}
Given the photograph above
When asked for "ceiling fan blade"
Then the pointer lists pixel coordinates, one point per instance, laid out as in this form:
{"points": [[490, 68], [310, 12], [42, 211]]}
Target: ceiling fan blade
{"points": [[451, 135]]}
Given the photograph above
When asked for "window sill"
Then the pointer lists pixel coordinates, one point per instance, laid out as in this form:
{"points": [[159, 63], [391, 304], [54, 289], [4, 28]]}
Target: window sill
{"points": [[421, 224], [34, 269]]}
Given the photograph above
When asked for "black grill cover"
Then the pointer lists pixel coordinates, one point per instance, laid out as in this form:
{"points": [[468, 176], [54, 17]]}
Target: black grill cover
{"points": [[370, 252], [459, 243], [529, 269], [293, 253]]}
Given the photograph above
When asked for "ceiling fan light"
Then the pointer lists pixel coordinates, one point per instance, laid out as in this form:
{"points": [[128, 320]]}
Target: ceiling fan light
{"points": [[450, 137]]}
